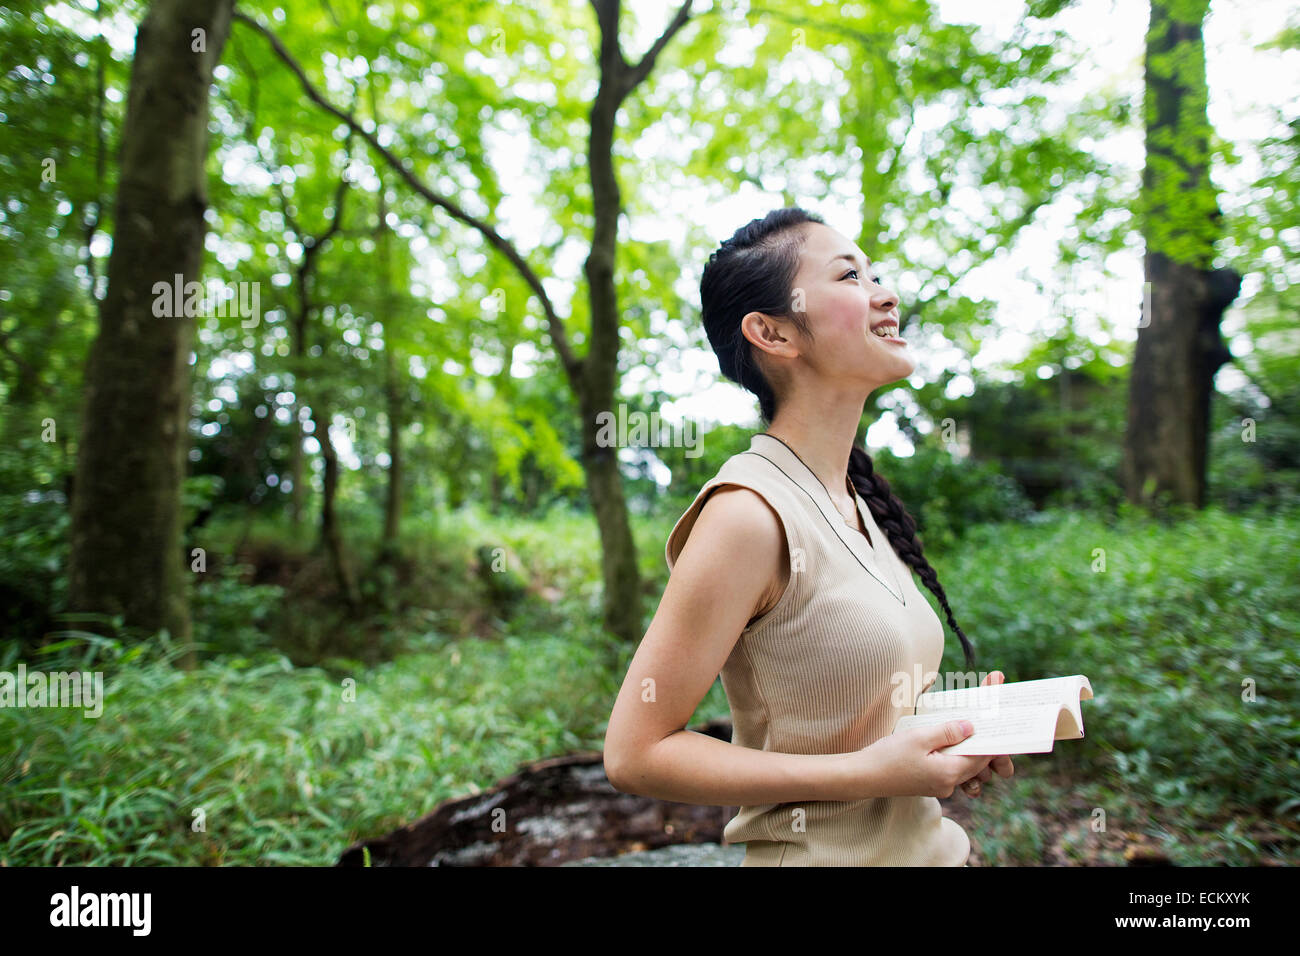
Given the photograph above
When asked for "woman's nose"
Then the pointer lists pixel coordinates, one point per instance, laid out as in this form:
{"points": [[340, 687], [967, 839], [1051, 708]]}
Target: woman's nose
{"points": [[884, 299]]}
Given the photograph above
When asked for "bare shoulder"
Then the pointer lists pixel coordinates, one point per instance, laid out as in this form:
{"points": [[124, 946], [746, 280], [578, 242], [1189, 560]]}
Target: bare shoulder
{"points": [[739, 529]]}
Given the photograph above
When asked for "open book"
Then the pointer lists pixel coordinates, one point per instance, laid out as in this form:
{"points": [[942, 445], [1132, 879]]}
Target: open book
{"points": [[1016, 718]]}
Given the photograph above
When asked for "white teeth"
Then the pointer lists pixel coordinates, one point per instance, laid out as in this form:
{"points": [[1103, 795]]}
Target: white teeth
{"points": [[885, 333]]}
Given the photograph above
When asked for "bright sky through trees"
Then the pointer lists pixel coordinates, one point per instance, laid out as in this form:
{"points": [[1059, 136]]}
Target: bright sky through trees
{"points": [[1245, 84]]}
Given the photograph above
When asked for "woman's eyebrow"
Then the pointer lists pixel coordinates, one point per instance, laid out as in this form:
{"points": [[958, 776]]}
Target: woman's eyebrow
{"points": [[848, 255]]}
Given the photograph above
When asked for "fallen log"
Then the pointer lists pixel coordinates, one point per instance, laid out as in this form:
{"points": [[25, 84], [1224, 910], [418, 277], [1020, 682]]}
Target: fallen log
{"points": [[548, 812]]}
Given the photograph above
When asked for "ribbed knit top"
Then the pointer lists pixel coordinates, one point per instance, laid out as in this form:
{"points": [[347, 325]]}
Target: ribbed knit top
{"points": [[817, 673]]}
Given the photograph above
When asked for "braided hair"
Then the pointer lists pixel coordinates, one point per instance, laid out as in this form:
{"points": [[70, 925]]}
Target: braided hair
{"points": [[754, 271]]}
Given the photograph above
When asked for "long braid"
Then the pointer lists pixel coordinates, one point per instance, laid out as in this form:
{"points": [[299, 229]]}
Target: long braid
{"points": [[890, 515]]}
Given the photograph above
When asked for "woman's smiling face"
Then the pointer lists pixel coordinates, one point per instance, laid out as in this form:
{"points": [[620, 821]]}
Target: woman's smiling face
{"points": [[835, 285]]}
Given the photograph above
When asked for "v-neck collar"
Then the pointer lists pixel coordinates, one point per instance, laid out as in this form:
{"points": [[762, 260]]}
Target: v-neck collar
{"points": [[870, 556]]}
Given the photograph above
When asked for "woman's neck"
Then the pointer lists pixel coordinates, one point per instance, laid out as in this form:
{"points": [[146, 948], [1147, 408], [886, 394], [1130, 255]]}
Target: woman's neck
{"points": [[822, 441]]}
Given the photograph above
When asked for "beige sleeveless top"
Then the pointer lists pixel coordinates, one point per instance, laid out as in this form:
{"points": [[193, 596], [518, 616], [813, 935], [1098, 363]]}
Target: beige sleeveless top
{"points": [[817, 673]]}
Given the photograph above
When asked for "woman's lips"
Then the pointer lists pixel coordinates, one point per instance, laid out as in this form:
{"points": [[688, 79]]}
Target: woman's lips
{"points": [[897, 340]]}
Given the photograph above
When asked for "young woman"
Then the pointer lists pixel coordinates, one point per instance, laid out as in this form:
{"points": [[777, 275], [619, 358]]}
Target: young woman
{"points": [[790, 578]]}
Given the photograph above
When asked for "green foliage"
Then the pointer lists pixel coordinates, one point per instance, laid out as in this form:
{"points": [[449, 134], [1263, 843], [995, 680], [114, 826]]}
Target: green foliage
{"points": [[1255, 452], [1263, 245], [231, 614], [1007, 831], [717, 443], [1173, 624], [413, 325], [198, 493], [948, 496], [34, 525]]}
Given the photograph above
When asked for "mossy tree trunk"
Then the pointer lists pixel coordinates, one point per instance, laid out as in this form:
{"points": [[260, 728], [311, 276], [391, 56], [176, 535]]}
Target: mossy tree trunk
{"points": [[126, 555], [1179, 346], [596, 381]]}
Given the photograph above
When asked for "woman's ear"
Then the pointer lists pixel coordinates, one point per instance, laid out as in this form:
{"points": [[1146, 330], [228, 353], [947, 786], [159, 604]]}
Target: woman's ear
{"points": [[768, 333]]}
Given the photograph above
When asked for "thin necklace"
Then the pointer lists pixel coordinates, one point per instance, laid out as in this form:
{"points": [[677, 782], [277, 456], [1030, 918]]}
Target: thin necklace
{"points": [[854, 521], [877, 558]]}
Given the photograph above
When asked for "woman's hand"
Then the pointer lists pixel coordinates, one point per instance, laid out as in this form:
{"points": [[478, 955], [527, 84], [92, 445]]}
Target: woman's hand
{"points": [[910, 763], [1002, 764]]}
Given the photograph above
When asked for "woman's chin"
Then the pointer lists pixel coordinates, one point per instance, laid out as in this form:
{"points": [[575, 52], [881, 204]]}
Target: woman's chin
{"points": [[895, 373], [902, 367]]}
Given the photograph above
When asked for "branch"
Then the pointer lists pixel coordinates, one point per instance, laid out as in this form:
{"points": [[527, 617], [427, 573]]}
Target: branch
{"points": [[272, 161], [639, 72], [572, 364], [610, 57], [314, 243]]}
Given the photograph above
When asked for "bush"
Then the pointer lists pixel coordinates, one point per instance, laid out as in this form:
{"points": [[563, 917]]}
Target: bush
{"points": [[948, 496], [34, 526], [229, 616], [1254, 457]]}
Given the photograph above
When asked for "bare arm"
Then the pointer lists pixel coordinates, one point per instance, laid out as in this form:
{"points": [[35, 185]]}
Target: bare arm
{"points": [[734, 564]]}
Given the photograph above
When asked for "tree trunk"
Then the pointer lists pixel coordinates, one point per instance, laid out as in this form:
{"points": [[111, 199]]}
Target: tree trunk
{"points": [[393, 503], [296, 467], [1179, 346], [593, 377], [1172, 381], [595, 385], [392, 379], [330, 537], [126, 518], [313, 245], [298, 457], [622, 604]]}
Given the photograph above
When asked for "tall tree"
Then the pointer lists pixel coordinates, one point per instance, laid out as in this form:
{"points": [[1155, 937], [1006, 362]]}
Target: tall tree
{"points": [[1179, 346], [593, 377], [126, 515], [598, 377], [393, 376], [318, 397]]}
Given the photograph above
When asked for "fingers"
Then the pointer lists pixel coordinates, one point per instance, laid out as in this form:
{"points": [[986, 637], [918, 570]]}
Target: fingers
{"points": [[1000, 764], [983, 768], [974, 785]]}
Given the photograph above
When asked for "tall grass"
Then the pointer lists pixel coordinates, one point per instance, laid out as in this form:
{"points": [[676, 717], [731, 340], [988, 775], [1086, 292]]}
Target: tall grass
{"points": [[251, 760], [255, 762]]}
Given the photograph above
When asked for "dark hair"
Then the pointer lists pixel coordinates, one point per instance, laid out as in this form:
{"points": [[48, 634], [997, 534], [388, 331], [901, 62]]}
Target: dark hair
{"points": [[754, 271]]}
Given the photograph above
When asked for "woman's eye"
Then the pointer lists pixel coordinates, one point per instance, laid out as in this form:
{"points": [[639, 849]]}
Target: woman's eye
{"points": [[851, 272]]}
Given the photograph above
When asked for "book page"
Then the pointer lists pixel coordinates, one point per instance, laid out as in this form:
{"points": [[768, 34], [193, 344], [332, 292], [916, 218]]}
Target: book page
{"points": [[1062, 691], [1002, 730], [1022, 717]]}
